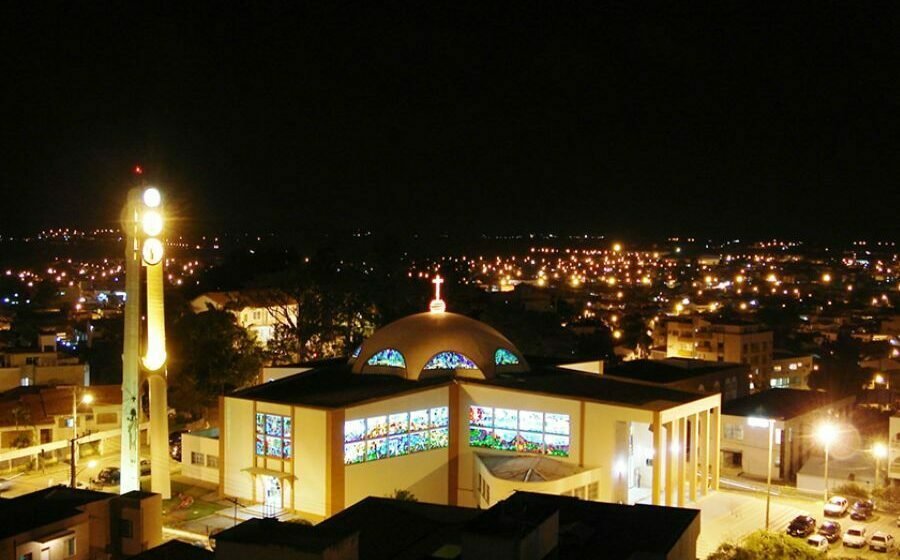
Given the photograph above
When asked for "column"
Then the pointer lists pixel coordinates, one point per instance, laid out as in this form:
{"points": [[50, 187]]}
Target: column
{"points": [[681, 456], [670, 479], [704, 457], [695, 442], [657, 459], [716, 439]]}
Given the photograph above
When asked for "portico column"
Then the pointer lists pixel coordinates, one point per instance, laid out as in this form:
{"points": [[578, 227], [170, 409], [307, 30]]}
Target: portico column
{"points": [[670, 480], [704, 458], [717, 438], [695, 441], [681, 456], [657, 459]]}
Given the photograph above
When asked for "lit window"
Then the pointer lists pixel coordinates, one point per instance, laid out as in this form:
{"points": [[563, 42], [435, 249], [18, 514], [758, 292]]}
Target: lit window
{"points": [[395, 435], [273, 436], [387, 358], [212, 461], [70, 547], [450, 360], [197, 458], [522, 431], [503, 357]]}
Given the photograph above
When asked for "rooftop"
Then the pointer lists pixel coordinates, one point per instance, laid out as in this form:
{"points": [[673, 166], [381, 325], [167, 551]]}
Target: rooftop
{"points": [[43, 507], [527, 469], [668, 370], [270, 531], [176, 550], [780, 404]]}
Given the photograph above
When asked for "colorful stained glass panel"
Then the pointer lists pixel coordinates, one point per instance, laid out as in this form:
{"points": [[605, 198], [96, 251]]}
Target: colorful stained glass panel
{"points": [[354, 430], [481, 416], [531, 421], [387, 358], [440, 417], [450, 360], [418, 420], [506, 418], [354, 452], [377, 426], [503, 357]]}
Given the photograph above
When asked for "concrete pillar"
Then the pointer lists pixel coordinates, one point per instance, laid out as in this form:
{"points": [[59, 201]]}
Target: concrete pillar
{"points": [[695, 442], [657, 459], [131, 417], [670, 479], [704, 457], [716, 439], [681, 457], [159, 437]]}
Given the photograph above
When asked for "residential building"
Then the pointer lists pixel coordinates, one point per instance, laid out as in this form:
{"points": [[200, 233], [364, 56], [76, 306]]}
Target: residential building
{"points": [[720, 340], [257, 312], [41, 365], [790, 370], [447, 408], [524, 526], [65, 523], [795, 413], [686, 374]]}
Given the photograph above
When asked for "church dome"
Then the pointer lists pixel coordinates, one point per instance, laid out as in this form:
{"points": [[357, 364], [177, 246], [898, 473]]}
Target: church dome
{"points": [[429, 344]]}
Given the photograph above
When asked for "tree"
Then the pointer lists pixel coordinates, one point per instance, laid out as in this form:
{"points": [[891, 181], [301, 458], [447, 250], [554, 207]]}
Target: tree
{"points": [[404, 496], [210, 354], [764, 545]]}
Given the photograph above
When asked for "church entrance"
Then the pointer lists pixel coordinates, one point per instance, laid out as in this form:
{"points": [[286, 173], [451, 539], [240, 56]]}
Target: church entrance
{"points": [[273, 503]]}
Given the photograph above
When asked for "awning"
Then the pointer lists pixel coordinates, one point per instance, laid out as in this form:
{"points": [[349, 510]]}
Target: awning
{"points": [[268, 472]]}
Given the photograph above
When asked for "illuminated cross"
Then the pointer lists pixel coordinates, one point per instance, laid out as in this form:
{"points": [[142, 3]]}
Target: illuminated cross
{"points": [[437, 304]]}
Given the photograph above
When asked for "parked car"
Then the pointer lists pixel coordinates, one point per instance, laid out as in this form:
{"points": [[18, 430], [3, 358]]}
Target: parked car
{"points": [[855, 537], [802, 526], [836, 506], [831, 530], [818, 542], [108, 476], [862, 510], [881, 541]]}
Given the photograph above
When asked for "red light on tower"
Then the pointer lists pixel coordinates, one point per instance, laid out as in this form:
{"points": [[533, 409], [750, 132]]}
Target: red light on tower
{"points": [[138, 170]]}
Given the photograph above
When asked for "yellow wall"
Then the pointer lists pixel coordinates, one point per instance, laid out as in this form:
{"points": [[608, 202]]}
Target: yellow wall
{"points": [[600, 446], [425, 474], [310, 456], [481, 395], [239, 437]]}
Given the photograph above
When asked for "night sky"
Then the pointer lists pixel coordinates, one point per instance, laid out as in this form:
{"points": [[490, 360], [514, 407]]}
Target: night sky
{"points": [[497, 117]]}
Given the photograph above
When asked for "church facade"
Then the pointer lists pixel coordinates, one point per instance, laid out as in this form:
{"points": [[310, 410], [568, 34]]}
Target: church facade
{"points": [[446, 408]]}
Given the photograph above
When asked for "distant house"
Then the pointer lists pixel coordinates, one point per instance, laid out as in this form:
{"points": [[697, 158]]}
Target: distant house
{"points": [[200, 455], [790, 370], [255, 311], [685, 374], [40, 365]]}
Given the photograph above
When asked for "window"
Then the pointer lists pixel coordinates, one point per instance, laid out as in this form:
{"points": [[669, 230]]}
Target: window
{"points": [[70, 547], [197, 458], [126, 528], [356, 352], [503, 357], [387, 358], [579, 492], [778, 436], [26, 556], [212, 461], [450, 360], [395, 435], [273, 436], [734, 431], [107, 418], [593, 491], [523, 431]]}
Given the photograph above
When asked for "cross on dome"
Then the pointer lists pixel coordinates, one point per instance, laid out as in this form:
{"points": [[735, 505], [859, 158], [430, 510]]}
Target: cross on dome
{"points": [[437, 304]]}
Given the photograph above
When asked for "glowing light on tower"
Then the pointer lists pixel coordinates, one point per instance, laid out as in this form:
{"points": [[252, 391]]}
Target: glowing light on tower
{"points": [[437, 304]]}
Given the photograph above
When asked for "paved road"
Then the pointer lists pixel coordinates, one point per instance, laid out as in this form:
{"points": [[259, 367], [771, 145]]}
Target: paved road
{"points": [[730, 515]]}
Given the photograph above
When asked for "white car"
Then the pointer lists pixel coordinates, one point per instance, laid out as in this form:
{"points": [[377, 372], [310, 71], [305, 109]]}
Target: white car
{"points": [[881, 541], [818, 542], [855, 537], [836, 506]]}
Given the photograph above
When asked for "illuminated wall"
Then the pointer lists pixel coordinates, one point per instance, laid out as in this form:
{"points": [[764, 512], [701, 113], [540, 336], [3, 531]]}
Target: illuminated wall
{"points": [[521, 431]]}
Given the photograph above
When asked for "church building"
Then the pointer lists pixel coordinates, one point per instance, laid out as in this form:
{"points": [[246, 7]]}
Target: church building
{"points": [[448, 409]]}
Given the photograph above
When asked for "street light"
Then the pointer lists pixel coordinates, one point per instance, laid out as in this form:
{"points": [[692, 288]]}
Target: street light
{"points": [[826, 433], [879, 451], [86, 398], [766, 423]]}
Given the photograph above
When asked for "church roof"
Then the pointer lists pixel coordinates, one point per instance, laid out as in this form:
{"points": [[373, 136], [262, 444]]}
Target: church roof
{"points": [[431, 343]]}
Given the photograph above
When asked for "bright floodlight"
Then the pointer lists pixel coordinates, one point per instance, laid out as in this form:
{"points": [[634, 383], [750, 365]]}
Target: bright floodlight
{"points": [[826, 433], [152, 197], [92, 464], [152, 222], [87, 398], [879, 450]]}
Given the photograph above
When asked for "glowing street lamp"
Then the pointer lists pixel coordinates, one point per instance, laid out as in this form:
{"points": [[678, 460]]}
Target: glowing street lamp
{"points": [[86, 398], [879, 451], [826, 434]]}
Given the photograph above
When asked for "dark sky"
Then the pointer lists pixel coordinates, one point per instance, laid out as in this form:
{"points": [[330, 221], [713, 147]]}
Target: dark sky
{"points": [[491, 116]]}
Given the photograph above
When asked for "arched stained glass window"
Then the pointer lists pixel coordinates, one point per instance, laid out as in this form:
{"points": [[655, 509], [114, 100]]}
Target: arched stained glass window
{"points": [[387, 358], [503, 357], [450, 360], [356, 352]]}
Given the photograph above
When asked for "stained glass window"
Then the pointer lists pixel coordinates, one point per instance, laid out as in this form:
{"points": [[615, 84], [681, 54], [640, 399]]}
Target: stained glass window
{"points": [[503, 357], [450, 360], [387, 358], [273, 436], [356, 352], [407, 432], [523, 431]]}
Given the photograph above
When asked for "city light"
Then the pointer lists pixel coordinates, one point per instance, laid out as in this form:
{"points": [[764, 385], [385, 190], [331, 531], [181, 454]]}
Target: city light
{"points": [[826, 433]]}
